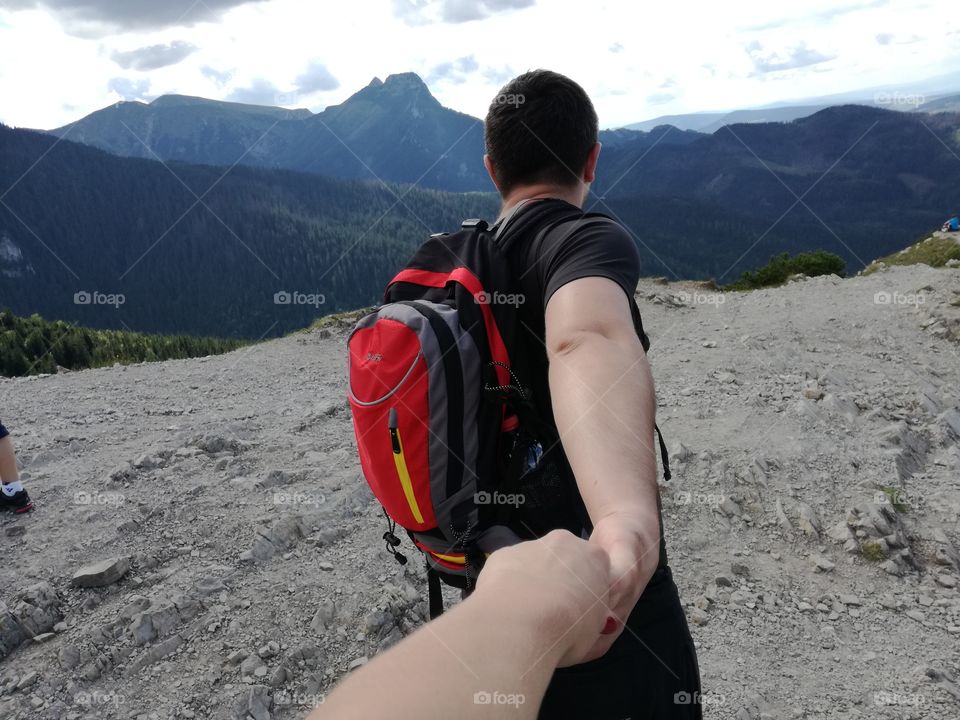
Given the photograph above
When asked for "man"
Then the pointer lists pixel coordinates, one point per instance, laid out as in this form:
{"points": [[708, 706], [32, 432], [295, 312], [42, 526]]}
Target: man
{"points": [[486, 658], [587, 365], [12, 495]]}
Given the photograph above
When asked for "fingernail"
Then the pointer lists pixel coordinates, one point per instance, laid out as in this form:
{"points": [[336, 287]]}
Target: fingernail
{"points": [[610, 626]]}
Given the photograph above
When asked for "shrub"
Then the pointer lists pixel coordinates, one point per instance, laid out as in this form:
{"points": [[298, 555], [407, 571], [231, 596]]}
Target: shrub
{"points": [[781, 267]]}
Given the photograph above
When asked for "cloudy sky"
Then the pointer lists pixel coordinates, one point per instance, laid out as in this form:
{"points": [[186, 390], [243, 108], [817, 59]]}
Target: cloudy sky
{"points": [[61, 59]]}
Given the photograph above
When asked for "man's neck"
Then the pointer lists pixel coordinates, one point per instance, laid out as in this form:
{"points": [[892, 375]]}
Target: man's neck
{"points": [[571, 195]]}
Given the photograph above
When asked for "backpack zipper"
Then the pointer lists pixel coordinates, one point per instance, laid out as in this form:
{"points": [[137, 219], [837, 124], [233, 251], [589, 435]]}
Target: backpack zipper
{"points": [[401, 464]]}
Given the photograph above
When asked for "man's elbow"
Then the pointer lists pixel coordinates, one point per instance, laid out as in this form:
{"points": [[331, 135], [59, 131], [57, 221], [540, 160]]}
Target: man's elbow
{"points": [[596, 341], [570, 342]]}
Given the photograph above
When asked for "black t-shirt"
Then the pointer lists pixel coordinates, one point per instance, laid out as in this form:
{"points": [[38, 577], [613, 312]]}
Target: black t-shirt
{"points": [[575, 247], [572, 249]]}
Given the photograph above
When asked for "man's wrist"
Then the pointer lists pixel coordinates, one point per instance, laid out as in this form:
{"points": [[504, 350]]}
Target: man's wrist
{"points": [[635, 531]]}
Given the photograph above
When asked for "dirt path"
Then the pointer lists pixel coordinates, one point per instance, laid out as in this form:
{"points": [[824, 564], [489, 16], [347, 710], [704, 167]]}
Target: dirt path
{"points": [[257, 572]]}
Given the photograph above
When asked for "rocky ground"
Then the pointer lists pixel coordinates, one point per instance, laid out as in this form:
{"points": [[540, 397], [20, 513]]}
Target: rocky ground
{"points": [[812, 521]]}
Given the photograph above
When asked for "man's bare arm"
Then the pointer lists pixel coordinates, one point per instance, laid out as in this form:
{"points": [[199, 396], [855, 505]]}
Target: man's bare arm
{"points": [[604, 406]]}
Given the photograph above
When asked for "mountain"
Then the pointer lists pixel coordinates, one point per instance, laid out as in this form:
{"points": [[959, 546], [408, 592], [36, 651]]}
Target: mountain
{"points": [[867, 177], [393, 130], [946, 103], [125, 243], [190, 129], [708, 122], [642, 139]]}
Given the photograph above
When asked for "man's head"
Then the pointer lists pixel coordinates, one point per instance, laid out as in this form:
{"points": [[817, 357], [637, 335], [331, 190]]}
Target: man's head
{"points": [[541, 130]]}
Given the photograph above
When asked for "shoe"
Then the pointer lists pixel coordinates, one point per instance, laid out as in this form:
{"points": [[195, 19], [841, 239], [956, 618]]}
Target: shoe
{"points": [[19, 502]]}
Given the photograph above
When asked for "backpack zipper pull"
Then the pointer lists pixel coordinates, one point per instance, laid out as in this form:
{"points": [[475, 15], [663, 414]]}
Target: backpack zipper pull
{"points": [[394, 432]]}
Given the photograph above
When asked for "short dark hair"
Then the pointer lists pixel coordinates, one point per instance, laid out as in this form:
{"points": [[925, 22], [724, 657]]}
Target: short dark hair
{"points": [[540, 127]]}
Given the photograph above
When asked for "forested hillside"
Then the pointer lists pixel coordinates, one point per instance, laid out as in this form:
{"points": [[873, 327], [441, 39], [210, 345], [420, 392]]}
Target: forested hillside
{"points": [[246, 253], [253, 252], [29, 346]]}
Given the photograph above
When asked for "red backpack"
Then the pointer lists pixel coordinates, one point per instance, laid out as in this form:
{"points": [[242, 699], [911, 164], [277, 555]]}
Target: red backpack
{"points": [[442, 422]]}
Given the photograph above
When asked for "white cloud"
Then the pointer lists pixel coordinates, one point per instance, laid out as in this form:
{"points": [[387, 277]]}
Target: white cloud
{"points": [[800, 56], [260, 92], [320, 53], [154, 57], [129, 89], [95, 18], [425, 12], [220, 77], [457, 71], [316, 78]]}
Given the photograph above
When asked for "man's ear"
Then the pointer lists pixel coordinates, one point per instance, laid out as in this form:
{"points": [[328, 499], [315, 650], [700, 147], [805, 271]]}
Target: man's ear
{"points": [[590, 169], [491, 171]]}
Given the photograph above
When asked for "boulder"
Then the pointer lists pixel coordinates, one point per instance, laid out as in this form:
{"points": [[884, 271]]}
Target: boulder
{"points": [[101, 574]]}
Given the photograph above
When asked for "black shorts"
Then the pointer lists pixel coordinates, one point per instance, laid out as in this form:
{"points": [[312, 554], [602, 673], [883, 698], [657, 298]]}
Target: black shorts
{"points": [[649, 673], [3, 431]]}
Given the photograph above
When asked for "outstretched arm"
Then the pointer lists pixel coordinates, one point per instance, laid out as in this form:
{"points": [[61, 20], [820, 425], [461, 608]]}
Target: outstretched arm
{"points": [[538, 605], [604, 406]]}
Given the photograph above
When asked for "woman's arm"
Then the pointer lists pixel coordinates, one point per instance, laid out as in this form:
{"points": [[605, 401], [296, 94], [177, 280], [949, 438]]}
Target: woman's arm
{"points": [[537, 606]]}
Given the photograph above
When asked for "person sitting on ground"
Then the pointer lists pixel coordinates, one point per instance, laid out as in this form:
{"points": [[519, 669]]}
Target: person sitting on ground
{"points": [[12, 495], [537, 606]]}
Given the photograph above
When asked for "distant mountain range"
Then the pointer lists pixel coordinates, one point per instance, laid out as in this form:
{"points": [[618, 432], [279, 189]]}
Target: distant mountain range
{"points": [[709, 122], [393, 130], [858, 181]]}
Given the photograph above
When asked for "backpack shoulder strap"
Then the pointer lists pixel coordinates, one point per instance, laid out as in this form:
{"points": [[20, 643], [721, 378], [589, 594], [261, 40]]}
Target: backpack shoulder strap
{"points": [[528, 214]]}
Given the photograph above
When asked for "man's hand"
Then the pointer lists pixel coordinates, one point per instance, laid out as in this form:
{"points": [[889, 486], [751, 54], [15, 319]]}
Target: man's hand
{"points": [[562, 580], [633, 552]]}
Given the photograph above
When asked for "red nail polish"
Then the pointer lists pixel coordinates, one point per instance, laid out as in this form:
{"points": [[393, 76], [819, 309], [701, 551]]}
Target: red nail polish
{"points": [[610, 626]]}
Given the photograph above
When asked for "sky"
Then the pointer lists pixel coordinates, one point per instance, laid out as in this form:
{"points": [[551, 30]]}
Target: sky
{"points": [[62, 59]]}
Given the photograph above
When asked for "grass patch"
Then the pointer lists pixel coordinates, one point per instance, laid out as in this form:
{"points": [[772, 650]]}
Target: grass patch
{"points": [[345, 319], [873, 551], [933, 251]]}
